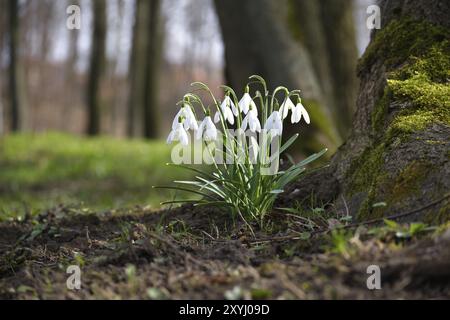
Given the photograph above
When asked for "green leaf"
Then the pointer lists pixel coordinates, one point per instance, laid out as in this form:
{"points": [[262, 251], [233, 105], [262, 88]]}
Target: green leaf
{"points": [[288, 143], [391, 224]]}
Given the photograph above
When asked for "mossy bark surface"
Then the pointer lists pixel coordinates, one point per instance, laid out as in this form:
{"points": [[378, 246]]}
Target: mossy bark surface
{"points": [[398, 151]]}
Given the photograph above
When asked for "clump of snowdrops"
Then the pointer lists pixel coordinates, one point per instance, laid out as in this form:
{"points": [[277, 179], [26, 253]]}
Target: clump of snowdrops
{"points": [[243, 140]]}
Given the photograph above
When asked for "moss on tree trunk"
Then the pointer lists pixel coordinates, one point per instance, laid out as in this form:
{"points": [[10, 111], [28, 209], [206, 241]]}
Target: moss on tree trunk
{"points": [[398, 152]]}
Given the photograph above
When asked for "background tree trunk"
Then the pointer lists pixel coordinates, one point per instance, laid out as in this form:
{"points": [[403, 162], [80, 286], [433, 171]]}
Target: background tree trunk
{"points": [[143, 117], [397, 153], [15, 78], [286, 43], [137, 72], [340, 39], [154, 50], [3, 27], [97, 65]]}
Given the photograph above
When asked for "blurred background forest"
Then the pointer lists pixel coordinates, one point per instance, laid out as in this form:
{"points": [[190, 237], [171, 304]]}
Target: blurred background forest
{"points": [[121, 74]]}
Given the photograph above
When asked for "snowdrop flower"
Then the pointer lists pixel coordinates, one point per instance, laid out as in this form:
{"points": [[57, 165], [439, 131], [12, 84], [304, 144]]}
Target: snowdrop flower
{"points": [[251, 120], [285, 106], [299, 111], [207, 130], [274, 124], [190, 122], [228, 109], [178, 133], [253, 150], [246, 102]]}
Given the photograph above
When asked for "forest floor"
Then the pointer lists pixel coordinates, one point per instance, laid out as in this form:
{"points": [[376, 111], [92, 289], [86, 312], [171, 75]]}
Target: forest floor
{"points": [[183, 254], [310, 252]]}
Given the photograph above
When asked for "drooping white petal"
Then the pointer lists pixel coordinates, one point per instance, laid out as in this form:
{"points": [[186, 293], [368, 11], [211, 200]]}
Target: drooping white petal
{"points": [[217, 117], [228, 114], [201, 128], [304, 114], [207, 130], [170, 137], [246, 103], [296, 114], [285, 107], [253, 121], [274, 124], [178, 134], [176, 120], [183, 137], [191, 121]]}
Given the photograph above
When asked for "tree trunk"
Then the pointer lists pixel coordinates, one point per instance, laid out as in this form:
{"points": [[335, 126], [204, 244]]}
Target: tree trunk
{"points": [[143, 116], [3, 28], [257, 41], [339, 30], [136, 71], [396, 158], [97, 65], [15, 78], [154, 44]]}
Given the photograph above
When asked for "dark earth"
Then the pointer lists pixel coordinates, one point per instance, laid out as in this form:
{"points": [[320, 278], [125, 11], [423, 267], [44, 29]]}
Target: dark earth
{"points": [[183, 253]]}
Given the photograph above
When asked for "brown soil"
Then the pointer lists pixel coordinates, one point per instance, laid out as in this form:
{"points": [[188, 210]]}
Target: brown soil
{"points": [[182, 254]]}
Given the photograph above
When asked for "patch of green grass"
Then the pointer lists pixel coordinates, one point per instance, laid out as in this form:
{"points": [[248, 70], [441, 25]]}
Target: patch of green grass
{"points": [[38, 171]]}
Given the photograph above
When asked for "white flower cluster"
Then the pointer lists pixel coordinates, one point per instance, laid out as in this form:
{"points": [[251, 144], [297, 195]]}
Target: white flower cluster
{"points": [[185, 119]]}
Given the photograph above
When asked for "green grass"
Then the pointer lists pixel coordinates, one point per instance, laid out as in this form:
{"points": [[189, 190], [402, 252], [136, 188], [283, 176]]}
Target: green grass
{"points": [[39, 171]]}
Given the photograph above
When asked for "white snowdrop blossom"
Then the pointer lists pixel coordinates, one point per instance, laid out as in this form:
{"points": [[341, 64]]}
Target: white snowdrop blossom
{"points": [[207, 130], [190, 121], [298, 112], [286, 106], [274, 124], [246, 103], [246, 177], [178, 133], [251, 120], [253, 150], [228, 109]]}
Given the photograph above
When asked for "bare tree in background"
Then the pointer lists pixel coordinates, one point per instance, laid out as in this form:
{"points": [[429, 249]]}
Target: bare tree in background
{"points": [[327, 30], [340, 38], [96, 68], [143, 115], [15, 78], [3, 19], [258, 41]]}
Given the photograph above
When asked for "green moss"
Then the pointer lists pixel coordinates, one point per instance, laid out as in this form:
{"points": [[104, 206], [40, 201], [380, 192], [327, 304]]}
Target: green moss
{"points": [[416, 57], [400, 40], [435, 65], [421, 87], [381, 110], [407, 182], [365, 170]]}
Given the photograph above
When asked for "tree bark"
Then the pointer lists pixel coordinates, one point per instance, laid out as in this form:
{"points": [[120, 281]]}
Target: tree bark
{"points": [[15, 78], [257, 41], [340, 39], [154, 44], [143, 116], [396, 158], [97, 66]]}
